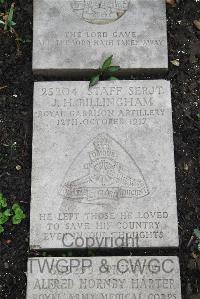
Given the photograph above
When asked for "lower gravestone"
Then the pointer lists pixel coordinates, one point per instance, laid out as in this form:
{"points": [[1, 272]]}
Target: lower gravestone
{"points": [[104, 278], [103, 165], [73, 36]]}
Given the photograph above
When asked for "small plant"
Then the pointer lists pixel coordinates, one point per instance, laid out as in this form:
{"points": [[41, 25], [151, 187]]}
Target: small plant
{"points": [[15, 213], [197, 238], [6, 21], [7, 17], [21, 40], [194, 243], [198, 117], [105, 70]]}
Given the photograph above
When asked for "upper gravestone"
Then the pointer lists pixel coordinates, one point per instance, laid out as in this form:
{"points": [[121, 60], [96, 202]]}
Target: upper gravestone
{"points": [[103, 165], [75, 35], [125, 277]]}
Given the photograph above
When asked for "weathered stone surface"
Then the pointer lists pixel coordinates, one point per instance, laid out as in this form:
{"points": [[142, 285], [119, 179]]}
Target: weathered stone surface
{"points": [[103, 165], [70, 36], [135, 277]]}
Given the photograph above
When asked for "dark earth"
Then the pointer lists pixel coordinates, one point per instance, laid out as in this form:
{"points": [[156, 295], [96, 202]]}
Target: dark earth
{"points": [[16, 96]]}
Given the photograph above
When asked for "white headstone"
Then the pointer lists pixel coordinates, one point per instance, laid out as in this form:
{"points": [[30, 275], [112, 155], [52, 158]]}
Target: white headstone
{"points": [[135, 277], [103, 165], [77, 35]]}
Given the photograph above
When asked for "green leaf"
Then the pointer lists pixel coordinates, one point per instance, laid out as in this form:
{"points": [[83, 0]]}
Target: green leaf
{"points": [[112, 78], [17, 220], [3, 202], [113, 68], [15, 206], [7, 212], [10, 15], [19, 212], [3, 218], [197, 233], [107, 63], [23, 40], [198, 246], [94, 80], [1, 229], [1, 22]]}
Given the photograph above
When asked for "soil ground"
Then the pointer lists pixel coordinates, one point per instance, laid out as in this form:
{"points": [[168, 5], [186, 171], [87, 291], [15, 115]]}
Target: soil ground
{"points": [[16, 88]]}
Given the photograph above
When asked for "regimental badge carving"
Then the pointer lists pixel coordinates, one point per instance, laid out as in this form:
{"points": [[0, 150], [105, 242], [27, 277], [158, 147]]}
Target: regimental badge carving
{"points": [[99, 11], [102, 172]]}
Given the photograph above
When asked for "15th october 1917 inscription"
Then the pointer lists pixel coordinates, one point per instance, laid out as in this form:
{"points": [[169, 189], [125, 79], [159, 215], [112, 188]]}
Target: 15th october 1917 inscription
{"points": [[104, 278], [103, 165]]}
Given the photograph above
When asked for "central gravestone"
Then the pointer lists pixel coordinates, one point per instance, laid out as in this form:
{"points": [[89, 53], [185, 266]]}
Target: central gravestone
{"points": [[75, 35], [104, 278], [103, 165]]}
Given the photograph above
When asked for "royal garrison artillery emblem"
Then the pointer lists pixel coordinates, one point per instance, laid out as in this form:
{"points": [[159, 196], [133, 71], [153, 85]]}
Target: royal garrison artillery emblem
{"points": [[103, 171], [99, 11]]}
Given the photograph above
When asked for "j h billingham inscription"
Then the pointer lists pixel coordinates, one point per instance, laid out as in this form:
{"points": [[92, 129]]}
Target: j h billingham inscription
{"points": [[75, 35], [124, 277], [103, 165]]}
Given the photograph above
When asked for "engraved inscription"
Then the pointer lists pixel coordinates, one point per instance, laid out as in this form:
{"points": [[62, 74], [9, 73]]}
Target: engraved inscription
{"points": [[99, 11], [108, 173], [122, 277], [103, 168]]}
